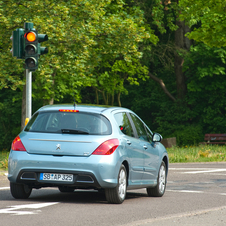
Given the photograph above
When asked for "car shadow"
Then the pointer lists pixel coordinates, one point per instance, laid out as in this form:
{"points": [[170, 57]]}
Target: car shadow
{"points": [[78, 196]]}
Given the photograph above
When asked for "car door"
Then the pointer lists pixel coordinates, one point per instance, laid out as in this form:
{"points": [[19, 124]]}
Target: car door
{"points": [[150, 152], [134, 151]]}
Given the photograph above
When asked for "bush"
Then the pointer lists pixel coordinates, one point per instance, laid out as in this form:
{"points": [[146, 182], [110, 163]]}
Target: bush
{"points": [[189, 135]]}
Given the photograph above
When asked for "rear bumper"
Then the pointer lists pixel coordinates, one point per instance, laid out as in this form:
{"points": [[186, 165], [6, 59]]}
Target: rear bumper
{"points": [[94, 171], [80, 179]]}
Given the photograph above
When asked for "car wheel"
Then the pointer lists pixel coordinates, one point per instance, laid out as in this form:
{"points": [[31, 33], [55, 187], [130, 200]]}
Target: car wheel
{"points": [[118, 194], [20, 191], [159, 190], [66, 189]]}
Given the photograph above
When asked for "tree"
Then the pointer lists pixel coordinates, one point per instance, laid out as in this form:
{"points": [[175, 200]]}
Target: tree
{"points": [[205, 70], [83, 36], [207, 19], [162, 17]]}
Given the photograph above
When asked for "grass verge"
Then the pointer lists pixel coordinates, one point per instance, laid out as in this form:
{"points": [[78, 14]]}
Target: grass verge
{"points": [[202, 153], [4, 160]]}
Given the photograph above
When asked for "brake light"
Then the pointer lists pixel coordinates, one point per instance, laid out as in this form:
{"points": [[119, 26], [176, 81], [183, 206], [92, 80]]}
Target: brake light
{"points": [[107, 148], [66, 110], [17, 145]]}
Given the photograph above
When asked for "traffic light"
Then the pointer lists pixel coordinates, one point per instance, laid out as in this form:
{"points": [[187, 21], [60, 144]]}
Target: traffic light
{"points": [[26, 45], [32, 47], [18, 43]]}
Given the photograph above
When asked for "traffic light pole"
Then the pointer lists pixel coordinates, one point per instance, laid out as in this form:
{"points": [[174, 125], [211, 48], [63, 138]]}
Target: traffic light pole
{"points": [[26, 45], [28, 93]]}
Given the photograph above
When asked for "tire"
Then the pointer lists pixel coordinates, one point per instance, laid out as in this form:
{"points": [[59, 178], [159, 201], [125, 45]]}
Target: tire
{"points": [[66, 189], [159, 189], [20, 191], [118, 194]]}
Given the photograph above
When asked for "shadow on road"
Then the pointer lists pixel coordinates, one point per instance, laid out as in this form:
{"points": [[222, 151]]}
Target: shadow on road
{"points": [[78, 196]]}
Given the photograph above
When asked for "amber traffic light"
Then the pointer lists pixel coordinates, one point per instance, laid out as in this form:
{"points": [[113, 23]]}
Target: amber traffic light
{"points": [[30, 36], [26, 45], [31, 50]]}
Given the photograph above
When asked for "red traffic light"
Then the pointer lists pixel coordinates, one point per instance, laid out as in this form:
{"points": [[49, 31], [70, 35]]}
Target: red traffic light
{"points": [[30, 36]]}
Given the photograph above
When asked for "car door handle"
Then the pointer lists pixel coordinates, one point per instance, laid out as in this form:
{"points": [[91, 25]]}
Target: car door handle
{"points": [[145, 147], [128, 142]]}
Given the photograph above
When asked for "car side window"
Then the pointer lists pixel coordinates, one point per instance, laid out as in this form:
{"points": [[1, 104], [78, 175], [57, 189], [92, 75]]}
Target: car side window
{"points": [[124, 123], [140, 127], [149, 135]]}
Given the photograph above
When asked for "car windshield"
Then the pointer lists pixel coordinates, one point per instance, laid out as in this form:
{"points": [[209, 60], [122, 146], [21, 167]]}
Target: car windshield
{"points": [[69, 122]]}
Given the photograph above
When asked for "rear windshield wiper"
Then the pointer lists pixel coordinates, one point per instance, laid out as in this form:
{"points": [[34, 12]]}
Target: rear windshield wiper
{"points": [[73, 131]]}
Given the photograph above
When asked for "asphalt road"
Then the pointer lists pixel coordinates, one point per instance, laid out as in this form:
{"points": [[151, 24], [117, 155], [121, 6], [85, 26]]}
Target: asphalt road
{"points": [[195, 195]]}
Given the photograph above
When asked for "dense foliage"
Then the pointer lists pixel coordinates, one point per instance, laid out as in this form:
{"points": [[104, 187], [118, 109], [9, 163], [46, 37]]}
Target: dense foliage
{"points": [[120, 53], [210, 15]]}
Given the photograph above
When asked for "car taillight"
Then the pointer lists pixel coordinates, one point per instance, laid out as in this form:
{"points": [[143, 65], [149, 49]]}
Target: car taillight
{"points": [[66, 110], [107, 148], [17, 145]]}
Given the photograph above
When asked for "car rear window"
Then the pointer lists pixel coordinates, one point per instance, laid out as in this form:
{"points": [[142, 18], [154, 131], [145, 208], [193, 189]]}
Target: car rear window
{"points": [[70, 122]]}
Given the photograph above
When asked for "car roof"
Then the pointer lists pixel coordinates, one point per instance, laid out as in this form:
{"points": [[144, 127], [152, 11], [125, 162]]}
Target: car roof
{"points": [[82, 107]]}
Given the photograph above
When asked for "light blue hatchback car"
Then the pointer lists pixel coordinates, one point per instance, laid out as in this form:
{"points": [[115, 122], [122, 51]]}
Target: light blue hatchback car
{"points": [[87, 147]]}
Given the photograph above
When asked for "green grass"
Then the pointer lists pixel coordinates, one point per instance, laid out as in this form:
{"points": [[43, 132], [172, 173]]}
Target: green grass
{"points": [[4, 160], [202, 153]]}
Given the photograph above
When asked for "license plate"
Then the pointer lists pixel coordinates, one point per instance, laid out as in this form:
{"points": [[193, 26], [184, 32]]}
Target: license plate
{"points": [[56, 177]]}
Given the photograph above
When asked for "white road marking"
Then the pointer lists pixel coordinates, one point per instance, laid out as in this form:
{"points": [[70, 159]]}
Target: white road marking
{"points": [[16, 210], [4, 188], [186, 191], [197, 192], [197, 170], [186, 169], [206, 171]]}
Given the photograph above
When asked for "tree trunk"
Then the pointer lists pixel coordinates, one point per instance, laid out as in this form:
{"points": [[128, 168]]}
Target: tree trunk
{"points": [[119, 100], [112, 98], [97, 96], [182, 45], [104, 97], [51, 102]]}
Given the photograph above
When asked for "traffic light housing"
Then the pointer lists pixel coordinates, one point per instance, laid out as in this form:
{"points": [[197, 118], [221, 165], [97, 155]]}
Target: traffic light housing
{"points": [[26, 45], [31, 49], [32, 46], [42, 38], [18, 43]]}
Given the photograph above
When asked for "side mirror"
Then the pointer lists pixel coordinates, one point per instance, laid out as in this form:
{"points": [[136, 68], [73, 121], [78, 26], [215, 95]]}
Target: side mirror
{"points": [[156, 137]]}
